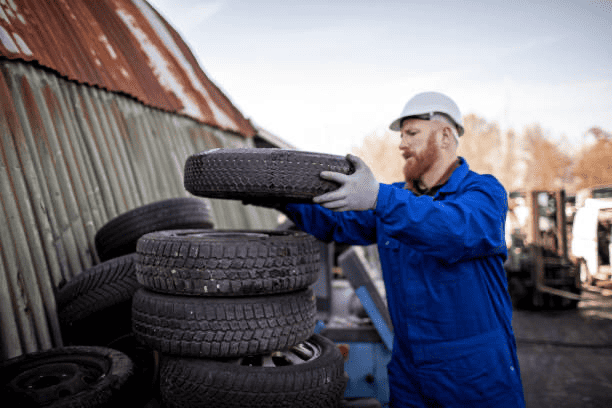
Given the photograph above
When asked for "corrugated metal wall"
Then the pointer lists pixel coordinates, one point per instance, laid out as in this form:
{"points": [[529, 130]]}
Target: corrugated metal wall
{"points": [[71, 158]]}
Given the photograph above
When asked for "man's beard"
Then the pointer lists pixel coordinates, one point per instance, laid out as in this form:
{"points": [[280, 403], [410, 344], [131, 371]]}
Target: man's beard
{"points": [[418, 164]]}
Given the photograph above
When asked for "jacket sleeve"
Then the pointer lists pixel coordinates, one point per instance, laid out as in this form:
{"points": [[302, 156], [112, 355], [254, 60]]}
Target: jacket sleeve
{"points": [[350, 227], [463, 225]]}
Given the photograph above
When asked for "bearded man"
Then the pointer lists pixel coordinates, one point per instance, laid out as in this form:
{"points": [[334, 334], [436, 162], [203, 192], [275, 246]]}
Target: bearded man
{"points": [[441, 241]]}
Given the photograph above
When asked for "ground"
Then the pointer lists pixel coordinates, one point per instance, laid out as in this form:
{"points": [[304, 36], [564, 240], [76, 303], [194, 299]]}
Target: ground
{"points": [[566, 356]]}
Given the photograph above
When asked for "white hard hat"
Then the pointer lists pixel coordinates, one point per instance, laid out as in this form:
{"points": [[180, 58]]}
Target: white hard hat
{"points": [[429, 103]]}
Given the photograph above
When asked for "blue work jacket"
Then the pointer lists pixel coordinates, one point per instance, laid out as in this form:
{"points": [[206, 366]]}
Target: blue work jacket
{"points": [[442, 262]]}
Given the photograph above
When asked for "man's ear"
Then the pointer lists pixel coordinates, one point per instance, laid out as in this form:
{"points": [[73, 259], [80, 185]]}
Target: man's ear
{"points": [[447, 137]]}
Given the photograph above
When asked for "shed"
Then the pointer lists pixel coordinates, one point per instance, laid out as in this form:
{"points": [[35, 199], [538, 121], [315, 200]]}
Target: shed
{"points": [[102, 102]]}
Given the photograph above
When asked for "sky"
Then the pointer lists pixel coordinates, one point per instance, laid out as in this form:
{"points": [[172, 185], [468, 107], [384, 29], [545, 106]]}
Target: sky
{"points": [[323, 75]]}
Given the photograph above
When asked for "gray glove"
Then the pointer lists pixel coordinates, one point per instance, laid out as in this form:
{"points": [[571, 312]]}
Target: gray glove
{"points": [[358, 191]]}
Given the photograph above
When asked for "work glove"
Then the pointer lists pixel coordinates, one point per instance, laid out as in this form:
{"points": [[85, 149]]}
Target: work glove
{"points": [[358, 191]]}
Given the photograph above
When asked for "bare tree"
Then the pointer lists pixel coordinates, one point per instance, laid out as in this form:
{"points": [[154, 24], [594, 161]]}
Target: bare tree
{"points": [[594, 165], [381, 153], [547, 164]]}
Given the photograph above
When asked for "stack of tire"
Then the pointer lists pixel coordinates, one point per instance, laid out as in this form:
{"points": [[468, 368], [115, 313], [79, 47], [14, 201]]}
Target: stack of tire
{"points": [[232, 315]]}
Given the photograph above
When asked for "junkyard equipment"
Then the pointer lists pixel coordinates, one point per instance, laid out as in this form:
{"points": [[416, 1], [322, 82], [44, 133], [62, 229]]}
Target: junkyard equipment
{"points": [[355, 317], [591, 238], [540, 273]]}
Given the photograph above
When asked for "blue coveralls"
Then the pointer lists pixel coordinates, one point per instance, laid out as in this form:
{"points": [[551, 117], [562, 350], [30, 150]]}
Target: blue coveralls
{"points": [[442, 262]]}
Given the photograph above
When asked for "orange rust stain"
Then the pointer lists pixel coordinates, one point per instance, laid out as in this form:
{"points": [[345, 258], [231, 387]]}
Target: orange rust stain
{"points": [[86, 41], [36, 124]]}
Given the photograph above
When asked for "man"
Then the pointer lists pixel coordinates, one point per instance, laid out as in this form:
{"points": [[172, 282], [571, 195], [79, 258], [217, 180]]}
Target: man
{"points": [[440, 236]]}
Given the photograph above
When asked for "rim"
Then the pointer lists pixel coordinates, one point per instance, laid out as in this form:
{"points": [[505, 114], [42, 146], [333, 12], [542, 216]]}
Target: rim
{"points": [[53, 380], [303, 353]]}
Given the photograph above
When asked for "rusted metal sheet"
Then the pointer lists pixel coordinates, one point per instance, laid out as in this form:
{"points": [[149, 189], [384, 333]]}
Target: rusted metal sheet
{"points": [[72, 157], [121, 46]]}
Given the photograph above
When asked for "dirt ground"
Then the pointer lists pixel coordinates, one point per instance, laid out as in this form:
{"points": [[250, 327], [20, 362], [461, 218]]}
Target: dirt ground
{"points": [[566, 356]]}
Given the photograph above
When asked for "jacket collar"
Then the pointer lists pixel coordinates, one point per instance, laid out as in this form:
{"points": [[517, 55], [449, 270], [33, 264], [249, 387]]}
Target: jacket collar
{"points": [[448, 183], [456, 178]]}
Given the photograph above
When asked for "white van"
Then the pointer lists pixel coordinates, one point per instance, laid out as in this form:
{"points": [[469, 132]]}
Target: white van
{"points": [[591, 239]]}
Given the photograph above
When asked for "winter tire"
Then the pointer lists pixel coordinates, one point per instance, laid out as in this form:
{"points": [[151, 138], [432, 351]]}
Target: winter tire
{"points": [[254, 174], [94, 307], [119, 236], [310, 374], [222, 327], [227, 263], [67, 377]]}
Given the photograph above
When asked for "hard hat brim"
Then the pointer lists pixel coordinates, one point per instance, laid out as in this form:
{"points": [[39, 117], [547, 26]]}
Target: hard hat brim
{"points": [[396, 125]]}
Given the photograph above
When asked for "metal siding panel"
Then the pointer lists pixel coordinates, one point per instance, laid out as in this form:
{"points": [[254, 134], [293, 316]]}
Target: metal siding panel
{"points": [[16, 247], [91, 154], [10, 346], [118, 111], [31, 169], [72, 158], [65, 182], [21, 159], [114, 146], [42, 153], [69, 154], [75, 138], [106, 152]]}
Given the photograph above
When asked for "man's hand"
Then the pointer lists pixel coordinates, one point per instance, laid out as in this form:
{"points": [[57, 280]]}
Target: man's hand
{"points": [[358, 191]]}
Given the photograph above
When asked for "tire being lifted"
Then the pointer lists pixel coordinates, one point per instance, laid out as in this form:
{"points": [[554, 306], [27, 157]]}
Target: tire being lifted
{"points": [[222, 326], [119, 236], [311, 374], [260, 174], [227, 263], [67, 377]]}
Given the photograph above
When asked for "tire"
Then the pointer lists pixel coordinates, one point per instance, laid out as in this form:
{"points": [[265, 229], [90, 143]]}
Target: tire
{"points": [[309, 375], [258, 174], [119, 236], [146, 368], [95, 306], [67, 377], [222, 327], [361, 403], [227, 263]]}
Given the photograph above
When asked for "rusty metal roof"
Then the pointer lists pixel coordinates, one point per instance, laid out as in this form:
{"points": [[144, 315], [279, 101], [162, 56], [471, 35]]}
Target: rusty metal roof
{"points": [[118, 45]]}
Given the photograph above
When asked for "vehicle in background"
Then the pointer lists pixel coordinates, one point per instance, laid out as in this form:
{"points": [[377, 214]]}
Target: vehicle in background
{"points": [[541, 274], [592, 235]]}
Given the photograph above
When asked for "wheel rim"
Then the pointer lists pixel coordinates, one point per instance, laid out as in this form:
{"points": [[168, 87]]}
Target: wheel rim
{"points": [[51, 381], [303, 353]]}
